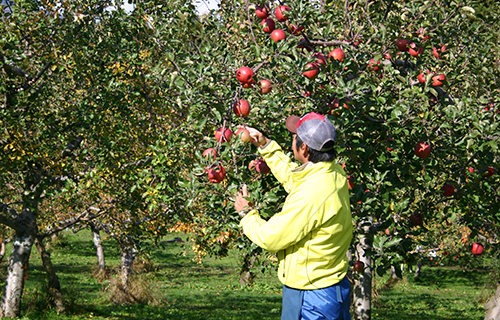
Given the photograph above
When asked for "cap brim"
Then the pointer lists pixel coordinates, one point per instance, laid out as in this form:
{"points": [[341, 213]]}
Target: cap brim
{"points": [[291, 123]]}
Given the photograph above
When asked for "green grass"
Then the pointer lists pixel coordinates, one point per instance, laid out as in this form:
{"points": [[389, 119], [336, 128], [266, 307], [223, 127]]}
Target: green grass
{"points": [[184, 289], [439, 293]]}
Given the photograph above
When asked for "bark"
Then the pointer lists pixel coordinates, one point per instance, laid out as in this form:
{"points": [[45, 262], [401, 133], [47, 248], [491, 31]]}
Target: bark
{"points": [[419, 269], [246, 275], [363, 286], [99, 248], [394, 273], [54, 287], [128, 257], [492, 306], [2, 245], [16, 275]]}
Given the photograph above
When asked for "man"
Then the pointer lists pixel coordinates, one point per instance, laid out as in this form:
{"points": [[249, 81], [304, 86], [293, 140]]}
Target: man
{"points": [[313, 231]]}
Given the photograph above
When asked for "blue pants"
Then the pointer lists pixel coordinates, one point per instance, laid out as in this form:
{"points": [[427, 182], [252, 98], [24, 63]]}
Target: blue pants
{"points": [[331, 303]]}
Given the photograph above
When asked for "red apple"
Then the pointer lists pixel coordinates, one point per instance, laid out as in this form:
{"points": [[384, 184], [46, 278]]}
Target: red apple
{"points": [[267, 25], [217, 174], [265, 86], [251, 164], [416, 219], [244, 135], [350, 183], [261, 166], [422, 150], [402, 45], [387, 56], [244, 75], [372, 66], [210, 153], [337, 54], [414, 51], [295, 30], [312, 70], [282, 13], [448, 190], [358, 266], [421, 78], [262, 11], [320, 58], [278, 35], [438, 80], [477, 248], [489, 172], [435, 53], [241, 108], [226, 137]]}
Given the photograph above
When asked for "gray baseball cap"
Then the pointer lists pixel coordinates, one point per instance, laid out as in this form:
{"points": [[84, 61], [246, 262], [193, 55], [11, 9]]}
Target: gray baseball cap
{"points": [[314, 129]]}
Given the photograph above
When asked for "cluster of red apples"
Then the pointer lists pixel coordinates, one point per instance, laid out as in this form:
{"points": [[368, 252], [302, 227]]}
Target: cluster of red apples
{"points": [[241, 108], [405, 45]]}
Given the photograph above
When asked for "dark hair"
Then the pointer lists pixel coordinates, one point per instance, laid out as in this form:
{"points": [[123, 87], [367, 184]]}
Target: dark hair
{"points": [[315, 155]]}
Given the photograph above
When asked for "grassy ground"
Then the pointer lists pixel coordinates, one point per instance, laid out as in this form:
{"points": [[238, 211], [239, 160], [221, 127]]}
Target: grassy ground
{"points": [[183, 289]]}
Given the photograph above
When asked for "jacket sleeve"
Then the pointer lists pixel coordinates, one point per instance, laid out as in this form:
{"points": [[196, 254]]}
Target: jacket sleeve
{"points": [[284, 229], [279, 163]]}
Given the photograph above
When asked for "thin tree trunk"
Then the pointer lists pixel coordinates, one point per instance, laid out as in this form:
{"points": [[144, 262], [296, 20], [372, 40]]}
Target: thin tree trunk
{"points": [[247, 276], [128, 257], [99, 248], [16, 276], [54, 287], [2, 245], [419, 269], [363, 286]]}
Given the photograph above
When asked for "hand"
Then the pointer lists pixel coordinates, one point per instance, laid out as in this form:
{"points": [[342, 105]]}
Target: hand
{"points": [[256, 137], [241, 203]]}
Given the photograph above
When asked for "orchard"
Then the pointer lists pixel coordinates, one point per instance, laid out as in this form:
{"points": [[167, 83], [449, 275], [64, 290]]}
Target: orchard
{"points": [[145, 122]]}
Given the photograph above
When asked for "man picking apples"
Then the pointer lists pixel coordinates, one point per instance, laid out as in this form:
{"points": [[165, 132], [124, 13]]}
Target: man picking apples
{"points": [[313, 231]]}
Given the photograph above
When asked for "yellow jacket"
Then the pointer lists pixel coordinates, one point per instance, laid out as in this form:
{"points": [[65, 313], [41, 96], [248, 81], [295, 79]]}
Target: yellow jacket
{"points": [[313, 231]]}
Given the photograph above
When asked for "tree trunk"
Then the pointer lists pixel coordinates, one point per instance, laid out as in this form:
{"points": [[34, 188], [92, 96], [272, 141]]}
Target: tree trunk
{"points": [[54, 287], [363, 286], [247, 276], [128, 257], [99, 249], [419, 269], [2, 245], [492, 306], [16, 275]]}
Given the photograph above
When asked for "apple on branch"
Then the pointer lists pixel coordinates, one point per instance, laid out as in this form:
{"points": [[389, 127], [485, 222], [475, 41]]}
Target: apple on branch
{"points": [[448, 190], [402, 45], [267, 25], [312, 70], [282, 13], [244, 135], [210, 153], [241, 108], [265, 86], [477, 248], [262, 11], [416, 219], [278, 35], [244, 75], [336, 54], [216, 174], [422, 150], [224, 137]]}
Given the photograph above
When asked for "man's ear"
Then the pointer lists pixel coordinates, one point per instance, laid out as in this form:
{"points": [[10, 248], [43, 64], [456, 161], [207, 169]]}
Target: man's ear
{"points": [[304, 149]]}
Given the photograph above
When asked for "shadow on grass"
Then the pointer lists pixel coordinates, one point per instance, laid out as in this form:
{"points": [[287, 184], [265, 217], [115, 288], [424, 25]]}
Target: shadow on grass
{"points": [[439, 293]]}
